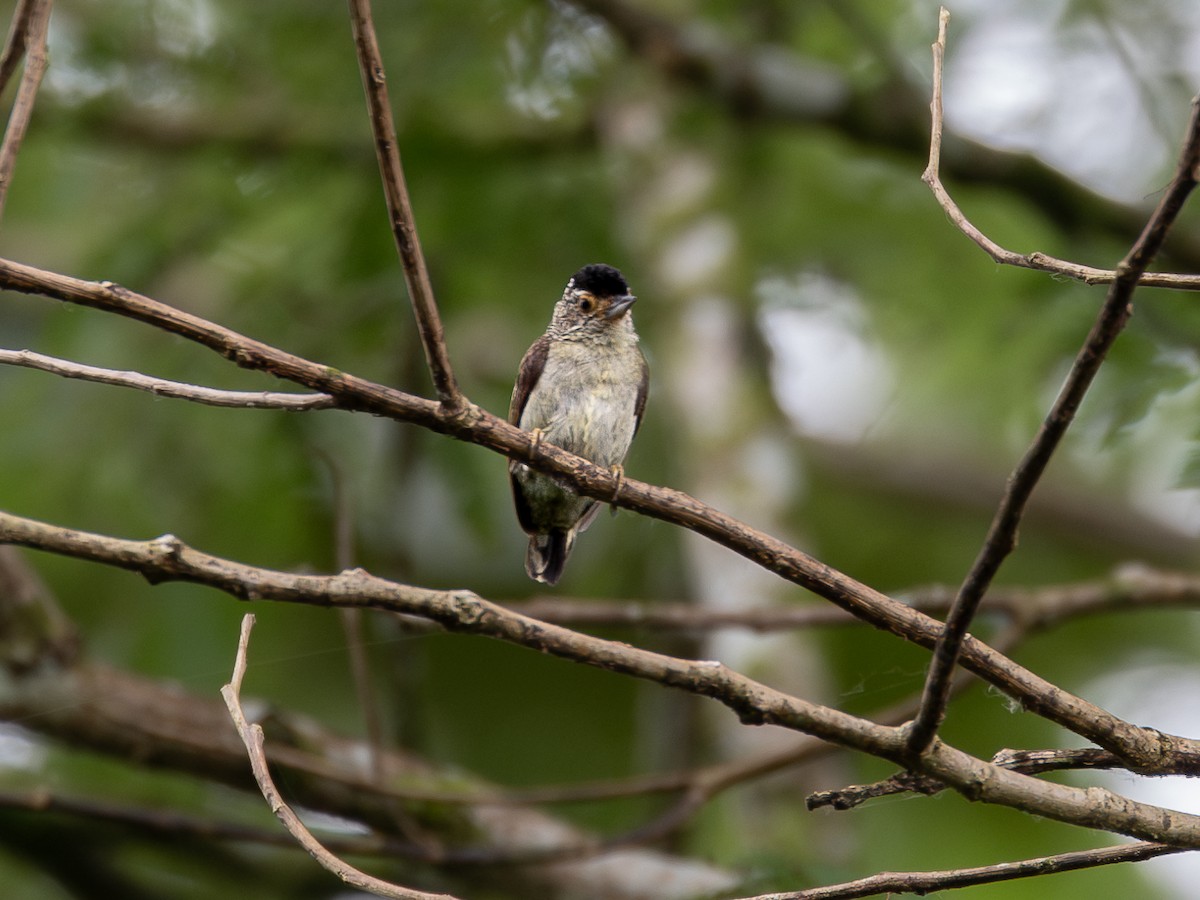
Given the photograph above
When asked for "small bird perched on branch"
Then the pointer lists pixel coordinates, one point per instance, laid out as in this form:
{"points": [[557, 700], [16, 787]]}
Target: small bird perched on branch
{"points": [[582, 386]]}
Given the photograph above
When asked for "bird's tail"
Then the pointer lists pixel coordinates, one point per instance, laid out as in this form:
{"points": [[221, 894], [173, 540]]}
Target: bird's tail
{"points": [[548, 554]]}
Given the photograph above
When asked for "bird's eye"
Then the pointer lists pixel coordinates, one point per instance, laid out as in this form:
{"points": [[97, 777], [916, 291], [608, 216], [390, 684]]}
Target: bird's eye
{"points": [[586, 303]]}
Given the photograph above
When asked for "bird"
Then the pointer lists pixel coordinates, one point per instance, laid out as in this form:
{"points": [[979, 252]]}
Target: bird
{"points": [[581, 386]]}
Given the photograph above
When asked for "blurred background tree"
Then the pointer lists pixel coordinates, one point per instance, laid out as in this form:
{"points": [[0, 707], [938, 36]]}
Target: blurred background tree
{"points": [[831, 362]]}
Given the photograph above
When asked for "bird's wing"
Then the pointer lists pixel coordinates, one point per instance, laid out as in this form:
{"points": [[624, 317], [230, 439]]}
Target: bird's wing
{"points": [[524, 513], [532, 365], [643, 391]]}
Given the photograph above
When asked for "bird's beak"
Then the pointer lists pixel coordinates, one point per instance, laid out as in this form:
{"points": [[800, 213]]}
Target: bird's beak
{"points": [[618, 305]]}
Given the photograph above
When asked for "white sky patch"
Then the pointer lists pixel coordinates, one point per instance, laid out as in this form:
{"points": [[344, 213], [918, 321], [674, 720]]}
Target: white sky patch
{"points": [[70, 81], [185, 27], [544, 57], [19, 751], [1016, 78], [697, 255], [1160, 695], [830, 377], [180, 28], [1155, 457], [703, 378]]}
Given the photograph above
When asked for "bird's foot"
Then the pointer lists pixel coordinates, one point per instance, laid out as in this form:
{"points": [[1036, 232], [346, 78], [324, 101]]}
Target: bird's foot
{"points": [[535, 445], [619, 474]]}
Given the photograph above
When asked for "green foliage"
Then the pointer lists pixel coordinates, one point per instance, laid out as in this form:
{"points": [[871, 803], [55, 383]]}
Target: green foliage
{"points": [[217, 156]]}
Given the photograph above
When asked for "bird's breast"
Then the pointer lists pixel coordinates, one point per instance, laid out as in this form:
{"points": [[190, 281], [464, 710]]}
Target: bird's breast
{"points": [[585, 401]]}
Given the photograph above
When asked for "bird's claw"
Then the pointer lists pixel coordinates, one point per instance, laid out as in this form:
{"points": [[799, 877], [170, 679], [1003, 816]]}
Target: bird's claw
{"points": [[535, 441], [619, 474]]}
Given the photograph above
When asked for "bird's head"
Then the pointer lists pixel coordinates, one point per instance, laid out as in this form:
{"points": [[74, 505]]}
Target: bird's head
{"points": [[596, 297]]}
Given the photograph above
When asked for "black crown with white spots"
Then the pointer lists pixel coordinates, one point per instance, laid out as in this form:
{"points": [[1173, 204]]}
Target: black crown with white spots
{"points": [[599, 280]]}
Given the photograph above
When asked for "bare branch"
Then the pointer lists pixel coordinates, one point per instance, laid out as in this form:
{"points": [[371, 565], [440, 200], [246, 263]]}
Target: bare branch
{"points": [[15, 43], [162, 387], [252, 737], [703, 784], [855, 795], [930, 882], [1033, 762], [480, 427], [167, 558], [126, 716], [1042, 262], [773, 83], [1002, 534], [37, 25], [1028, 762], [400, 214]]}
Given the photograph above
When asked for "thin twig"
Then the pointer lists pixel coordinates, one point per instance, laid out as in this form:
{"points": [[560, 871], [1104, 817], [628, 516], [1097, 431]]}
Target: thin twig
{"points": [[1002, 534], [400, 214], [1034, 762], [252, 737], [1038, 261], [345, 554], [14, 44], [163, 387], [37, 27], [930, 882], [1028, 762]]}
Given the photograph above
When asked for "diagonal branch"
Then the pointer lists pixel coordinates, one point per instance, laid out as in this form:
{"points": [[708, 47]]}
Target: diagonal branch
{"points": [[1028, 762], [922, 883], [15, 43], [1002, 534], [169, 559], [54, 690], [36, 20], [163, 387], [477, 426], [395, 190]]}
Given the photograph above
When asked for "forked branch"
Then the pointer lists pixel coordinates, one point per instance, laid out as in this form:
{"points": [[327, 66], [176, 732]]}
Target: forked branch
{"points": [[1042, 262], [400, 214], [1002, 535]]}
